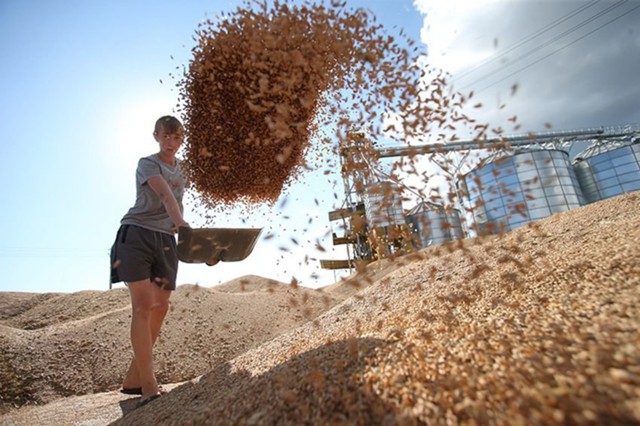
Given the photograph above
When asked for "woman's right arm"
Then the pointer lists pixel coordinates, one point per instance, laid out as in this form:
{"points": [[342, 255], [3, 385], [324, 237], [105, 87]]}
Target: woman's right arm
{"points": [[163, 191]]}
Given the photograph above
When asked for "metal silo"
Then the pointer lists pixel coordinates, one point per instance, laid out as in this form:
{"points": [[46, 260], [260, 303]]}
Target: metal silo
{"points": [[605, 171], [433, 224], [512, 190], [383, 204]]}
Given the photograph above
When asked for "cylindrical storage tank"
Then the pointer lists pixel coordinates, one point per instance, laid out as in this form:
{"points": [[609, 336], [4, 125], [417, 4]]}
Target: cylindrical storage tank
{"points": [[513, 190], [587, 181], [383, 204], [433, 224], [608, 171]]}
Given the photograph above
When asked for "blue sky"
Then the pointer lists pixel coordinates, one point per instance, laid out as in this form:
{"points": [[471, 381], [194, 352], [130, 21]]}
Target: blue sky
{"points": [[81, 88]]}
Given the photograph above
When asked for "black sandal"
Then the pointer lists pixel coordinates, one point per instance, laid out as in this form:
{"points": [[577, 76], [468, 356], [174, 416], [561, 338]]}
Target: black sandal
{"points": [[138, 391]]}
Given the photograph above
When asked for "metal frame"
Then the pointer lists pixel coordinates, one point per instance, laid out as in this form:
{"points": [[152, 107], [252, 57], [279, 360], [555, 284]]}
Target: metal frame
{"points": [[355, 178]]}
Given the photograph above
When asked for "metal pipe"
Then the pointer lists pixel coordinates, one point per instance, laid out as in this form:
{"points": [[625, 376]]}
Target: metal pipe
{"points": [[514, 140]]}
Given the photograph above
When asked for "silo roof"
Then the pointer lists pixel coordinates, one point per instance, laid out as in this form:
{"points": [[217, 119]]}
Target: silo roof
{"points": [[600, 147], [424, 206]]}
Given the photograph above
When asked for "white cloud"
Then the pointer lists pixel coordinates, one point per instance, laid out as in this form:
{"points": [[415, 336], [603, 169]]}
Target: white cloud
{"points": [[447, 24], [574, 63]]}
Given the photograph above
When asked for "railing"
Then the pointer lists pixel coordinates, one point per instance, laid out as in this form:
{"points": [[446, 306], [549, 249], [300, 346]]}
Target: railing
{"points": [[565, 137]]}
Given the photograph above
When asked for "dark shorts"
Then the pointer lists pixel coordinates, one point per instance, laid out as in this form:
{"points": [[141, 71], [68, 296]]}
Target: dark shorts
{"points": [[139, 254]]}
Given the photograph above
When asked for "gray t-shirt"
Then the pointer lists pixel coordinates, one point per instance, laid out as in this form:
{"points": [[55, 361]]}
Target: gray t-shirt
{"points": [[148, 212]]}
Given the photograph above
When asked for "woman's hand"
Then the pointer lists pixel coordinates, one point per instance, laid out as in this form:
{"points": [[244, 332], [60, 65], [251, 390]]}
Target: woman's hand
{"points": [[176, 228]]}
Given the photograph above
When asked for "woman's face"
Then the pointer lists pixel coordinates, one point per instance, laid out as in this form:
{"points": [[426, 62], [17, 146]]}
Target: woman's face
{"points": [[170, 142]]}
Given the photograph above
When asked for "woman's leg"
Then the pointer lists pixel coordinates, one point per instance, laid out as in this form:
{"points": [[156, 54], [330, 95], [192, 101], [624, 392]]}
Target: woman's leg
{"points": [[142, 299], [159, 309]]}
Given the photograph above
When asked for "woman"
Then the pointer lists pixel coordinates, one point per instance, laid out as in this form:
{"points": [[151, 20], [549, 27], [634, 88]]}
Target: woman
{"points": [[144, 254]]}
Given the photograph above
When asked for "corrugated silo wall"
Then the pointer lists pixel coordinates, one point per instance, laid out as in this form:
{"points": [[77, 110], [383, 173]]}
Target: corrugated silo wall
{"points": [[383, 204], [435, 226], [516, 189], [610, 173]]}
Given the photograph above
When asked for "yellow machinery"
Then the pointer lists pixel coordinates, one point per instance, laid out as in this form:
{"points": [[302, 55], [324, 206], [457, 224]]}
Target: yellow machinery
{"points": [[372, 216]]}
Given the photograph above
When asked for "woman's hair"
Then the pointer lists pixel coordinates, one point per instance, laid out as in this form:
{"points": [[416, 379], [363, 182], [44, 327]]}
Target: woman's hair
{"points": [[168, 123]]}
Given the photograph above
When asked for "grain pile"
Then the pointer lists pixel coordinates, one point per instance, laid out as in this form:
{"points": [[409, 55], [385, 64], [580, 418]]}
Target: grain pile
{"points": [[539, 326], [58, 345], [264, 78]]}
